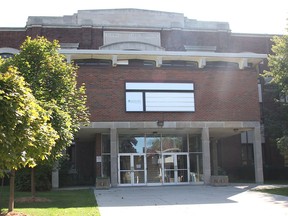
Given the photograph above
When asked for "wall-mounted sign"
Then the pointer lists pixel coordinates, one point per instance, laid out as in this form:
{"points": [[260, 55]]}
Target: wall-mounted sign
{"points": [[159, 97], [134, 101], [98, 159]]}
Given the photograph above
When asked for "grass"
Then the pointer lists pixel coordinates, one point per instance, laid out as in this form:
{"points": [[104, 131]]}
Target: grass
{"points": [[278, 191], [63, 202]]}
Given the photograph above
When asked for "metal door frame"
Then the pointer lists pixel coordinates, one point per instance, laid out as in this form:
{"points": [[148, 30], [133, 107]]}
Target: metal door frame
{"points": [[132, 169]]}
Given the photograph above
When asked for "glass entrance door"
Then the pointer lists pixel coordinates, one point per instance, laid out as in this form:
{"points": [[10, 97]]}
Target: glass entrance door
{"points": [[132, 169], [175, 168]]}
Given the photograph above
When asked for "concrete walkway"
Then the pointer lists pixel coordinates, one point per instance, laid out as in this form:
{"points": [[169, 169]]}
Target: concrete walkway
{"points": [[190, 200]]}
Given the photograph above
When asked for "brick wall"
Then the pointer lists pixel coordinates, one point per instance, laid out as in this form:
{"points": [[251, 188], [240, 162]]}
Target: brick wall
{"points": [[220, 95], [171, 40], [12, 39]]}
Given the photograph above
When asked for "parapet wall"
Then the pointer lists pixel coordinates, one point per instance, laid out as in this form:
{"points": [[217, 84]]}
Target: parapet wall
{"points": [[132, 18]]}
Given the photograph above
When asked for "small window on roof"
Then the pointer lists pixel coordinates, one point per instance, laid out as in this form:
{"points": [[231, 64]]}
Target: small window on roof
{"points": [[221, 64], [181, 64], [6, 55], [93, 62]]}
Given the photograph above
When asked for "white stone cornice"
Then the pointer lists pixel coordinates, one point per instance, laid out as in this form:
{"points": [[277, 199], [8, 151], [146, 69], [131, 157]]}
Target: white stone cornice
{"points": [[243, 59], [9, 50]]}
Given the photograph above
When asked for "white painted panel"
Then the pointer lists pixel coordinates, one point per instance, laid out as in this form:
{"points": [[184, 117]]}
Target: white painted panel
{"points": [[134, 101], [169, 109], [168, 101], [160, 86], [260, 93], [111, 37]]}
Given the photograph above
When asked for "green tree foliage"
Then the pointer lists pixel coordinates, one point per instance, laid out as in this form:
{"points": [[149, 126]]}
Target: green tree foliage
{"points": [[63, 108], [278, 63], [277, 120], [26, 134], [53, 82]]}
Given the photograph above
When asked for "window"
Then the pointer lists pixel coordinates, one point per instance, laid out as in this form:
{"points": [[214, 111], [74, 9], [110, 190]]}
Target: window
{"points": [[195, 158], [220, 64], [247, 148], [106, 161], [153, 143], [159, 97], [131, 144], [71, 152], [6, 55], [93, 62], [174, 143], [7, 52], [247, 154], [180, 64]]}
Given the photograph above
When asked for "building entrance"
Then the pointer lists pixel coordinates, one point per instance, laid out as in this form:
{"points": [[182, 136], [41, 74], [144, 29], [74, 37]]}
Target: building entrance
{"points": [[142, 169], [175, 168], [161, 159], [132, 169]]}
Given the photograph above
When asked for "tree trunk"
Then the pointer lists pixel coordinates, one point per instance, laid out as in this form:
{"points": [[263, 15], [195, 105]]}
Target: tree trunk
{"points": [[33, 185], [12, 188], [1, 194]]}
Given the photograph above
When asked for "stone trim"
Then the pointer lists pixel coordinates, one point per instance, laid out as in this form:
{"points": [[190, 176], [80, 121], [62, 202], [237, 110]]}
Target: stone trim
{"points": [[175, 124], [242, 59]]}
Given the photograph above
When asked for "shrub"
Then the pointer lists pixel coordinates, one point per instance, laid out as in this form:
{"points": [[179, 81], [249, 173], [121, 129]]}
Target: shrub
{"points": [[42, 178]]}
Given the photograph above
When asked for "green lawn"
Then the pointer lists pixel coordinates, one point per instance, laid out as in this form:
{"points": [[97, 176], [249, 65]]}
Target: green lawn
{"points": [[278, 191], [64, 203]]}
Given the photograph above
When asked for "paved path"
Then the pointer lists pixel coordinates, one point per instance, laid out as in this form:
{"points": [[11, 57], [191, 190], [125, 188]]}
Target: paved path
{"points": [[190, 200]]}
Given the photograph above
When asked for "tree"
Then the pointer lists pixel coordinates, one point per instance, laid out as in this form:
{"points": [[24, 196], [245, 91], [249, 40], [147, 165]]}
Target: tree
{"points": [[26, 134], [277, 122], [53, 82]]}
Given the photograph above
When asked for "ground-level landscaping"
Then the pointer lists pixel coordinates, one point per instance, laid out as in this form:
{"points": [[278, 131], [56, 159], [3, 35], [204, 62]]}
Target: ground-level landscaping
{"points": [[52, 203], [283, 191]]}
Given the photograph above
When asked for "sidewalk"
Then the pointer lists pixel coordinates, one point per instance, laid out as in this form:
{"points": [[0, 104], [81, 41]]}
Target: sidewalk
{"points": [[190, 200]]}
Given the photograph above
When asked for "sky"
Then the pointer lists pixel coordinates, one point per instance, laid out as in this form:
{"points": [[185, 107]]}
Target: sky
{"points": [[244, 16]]}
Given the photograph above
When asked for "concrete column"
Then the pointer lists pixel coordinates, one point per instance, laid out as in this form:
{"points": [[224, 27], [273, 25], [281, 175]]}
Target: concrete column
{"points": [[114, 159], [258, 163], [55, 176], [206, 155]]}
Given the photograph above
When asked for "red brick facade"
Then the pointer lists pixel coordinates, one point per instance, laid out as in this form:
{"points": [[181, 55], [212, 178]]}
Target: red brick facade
{"points": [[224, 68], [171, 40], [220, 95]]}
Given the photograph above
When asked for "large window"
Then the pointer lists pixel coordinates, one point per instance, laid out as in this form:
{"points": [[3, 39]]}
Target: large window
{"points": [[131, 144], [152, 143], [106, 161], [174, 143], [159, 159], [159, 97], [195, 157]]}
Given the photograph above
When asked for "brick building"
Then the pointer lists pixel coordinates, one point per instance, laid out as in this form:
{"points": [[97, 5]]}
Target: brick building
{"points": [[172, 100]]}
